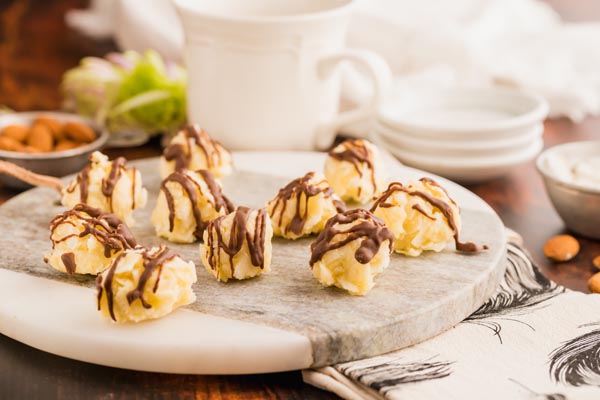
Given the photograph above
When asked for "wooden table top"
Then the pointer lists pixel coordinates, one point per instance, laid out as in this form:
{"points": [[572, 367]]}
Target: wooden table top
{"points": [[36, 48]]}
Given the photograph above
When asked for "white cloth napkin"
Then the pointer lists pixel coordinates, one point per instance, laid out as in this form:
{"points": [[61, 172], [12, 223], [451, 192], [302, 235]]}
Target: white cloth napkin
{"points": [[520, 43], [532, 340]]}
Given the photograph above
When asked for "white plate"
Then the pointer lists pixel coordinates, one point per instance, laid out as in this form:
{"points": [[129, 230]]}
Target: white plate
{"points": [[459, 147], [463, 112], [461, 169]]}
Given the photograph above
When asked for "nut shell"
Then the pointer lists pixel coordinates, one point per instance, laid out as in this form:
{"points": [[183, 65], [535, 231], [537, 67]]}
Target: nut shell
{"points": [[9, 144], [561, 248], [596, 262], [53, 126], [17, 132], [41, 138], [594, 283], [79, 132], [66, 145], [29, 149]]}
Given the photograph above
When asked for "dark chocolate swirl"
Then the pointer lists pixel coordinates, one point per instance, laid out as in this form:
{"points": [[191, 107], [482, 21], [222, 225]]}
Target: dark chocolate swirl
{"points": [[444, 207], [356, 152], [83, 181], [239, 234], [299, 188], [107, 228], [195, 136], [193, 189], [363, 226], [108, 184], [68, 260], [152, 260]]}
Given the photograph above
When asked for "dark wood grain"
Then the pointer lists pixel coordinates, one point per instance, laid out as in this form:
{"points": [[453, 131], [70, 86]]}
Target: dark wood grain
{"points": [[27, 373], [521, 201], [35, 49]]}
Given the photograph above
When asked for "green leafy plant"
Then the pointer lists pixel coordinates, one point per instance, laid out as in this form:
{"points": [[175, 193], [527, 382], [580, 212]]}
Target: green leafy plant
{"points": [[128, 91]]}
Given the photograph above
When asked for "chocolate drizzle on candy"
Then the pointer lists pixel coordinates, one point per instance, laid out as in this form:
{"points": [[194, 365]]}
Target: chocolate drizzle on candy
{"points": [[361, 225], [68, 260], [239, 234], [356, 152], [152, 260], [444, 207], [108, 184], [299, 188], [192, 188], [107, 228], [182, 154], [83, 181]]}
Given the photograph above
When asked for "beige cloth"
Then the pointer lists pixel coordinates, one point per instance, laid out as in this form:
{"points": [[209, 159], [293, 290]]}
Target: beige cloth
{"points": [[532, 340]]}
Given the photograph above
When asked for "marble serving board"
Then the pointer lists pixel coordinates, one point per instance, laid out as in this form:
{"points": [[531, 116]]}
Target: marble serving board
{"points": [[280, 321]]}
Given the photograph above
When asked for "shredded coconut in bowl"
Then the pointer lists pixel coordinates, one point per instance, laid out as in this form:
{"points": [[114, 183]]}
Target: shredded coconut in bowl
{"points": [[581, 171]]}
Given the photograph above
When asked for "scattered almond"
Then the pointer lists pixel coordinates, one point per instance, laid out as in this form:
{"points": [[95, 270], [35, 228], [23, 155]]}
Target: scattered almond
{"points": [[66, 145], [45, 135], [29, 149], [561, 248], [53, 126], [79, 132], [596, 262], [41, 138], [17, 132], [594, 283], [9, 144]]}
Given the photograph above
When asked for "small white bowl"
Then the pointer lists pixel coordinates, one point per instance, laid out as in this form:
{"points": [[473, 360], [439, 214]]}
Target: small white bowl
{"points": [[578, 205], [464, 169], [463, 112], [459, 147]]}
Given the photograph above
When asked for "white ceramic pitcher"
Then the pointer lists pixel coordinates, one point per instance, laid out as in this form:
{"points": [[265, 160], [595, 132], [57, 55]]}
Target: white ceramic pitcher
{"points": [[263, 73]]}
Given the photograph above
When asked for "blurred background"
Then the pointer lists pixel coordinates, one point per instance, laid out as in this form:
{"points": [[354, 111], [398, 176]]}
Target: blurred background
{"points": [[547, 46]]}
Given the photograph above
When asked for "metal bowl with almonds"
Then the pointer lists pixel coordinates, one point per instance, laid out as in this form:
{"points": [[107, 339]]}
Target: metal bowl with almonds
{"points": [[48, 143]]}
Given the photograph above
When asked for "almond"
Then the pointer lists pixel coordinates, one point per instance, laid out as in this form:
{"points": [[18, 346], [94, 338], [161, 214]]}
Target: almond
{"points": [[594, 283], [66, 145], [29, 149], [53, 125], [596, 262], [17, 132], [9, 144], [40, 137], [561, 248], [79, 132]]}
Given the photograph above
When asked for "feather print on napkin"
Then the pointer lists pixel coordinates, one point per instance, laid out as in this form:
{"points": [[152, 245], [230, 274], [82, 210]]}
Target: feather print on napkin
{"points": [[544, 348], [522, 289], [384, 376], [577, 361]]}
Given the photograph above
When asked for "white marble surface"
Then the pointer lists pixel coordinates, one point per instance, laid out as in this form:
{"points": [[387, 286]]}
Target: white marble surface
{"points": [[282, 321]]}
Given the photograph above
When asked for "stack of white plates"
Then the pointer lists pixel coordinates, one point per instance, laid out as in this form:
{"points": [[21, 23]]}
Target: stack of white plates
{"points": [[468, 135]]}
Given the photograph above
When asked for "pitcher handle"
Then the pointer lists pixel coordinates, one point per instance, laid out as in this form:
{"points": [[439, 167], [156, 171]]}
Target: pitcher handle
{"points": [[380, 76]]}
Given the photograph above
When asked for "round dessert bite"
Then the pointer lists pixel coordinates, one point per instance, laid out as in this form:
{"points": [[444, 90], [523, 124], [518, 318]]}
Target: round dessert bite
{"points": [[186, 202], [109, 186], [144, 284], [354, 247], [193, 149], [422, 217], [238, 245], [355, 171], [303, 206], [85, 240]]}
